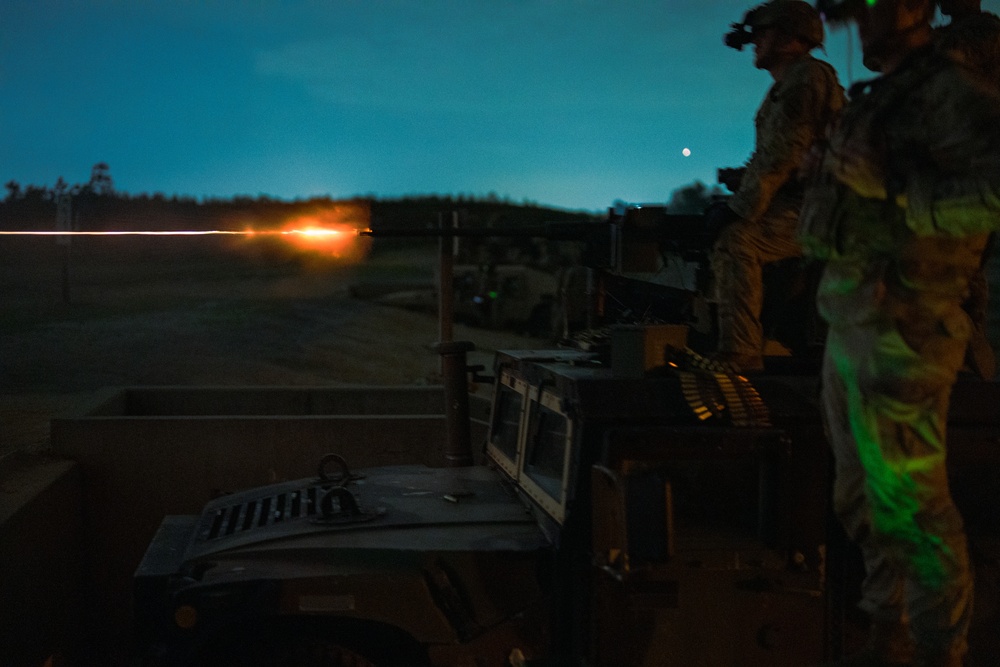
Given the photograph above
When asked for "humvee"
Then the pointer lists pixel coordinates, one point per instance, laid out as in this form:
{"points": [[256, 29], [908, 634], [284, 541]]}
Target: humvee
{"points": [[630, 503], [584, 536]]}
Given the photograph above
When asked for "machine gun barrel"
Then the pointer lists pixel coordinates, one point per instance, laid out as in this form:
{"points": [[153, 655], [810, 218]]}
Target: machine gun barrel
{"points": [[556, 231], [659, 227]]}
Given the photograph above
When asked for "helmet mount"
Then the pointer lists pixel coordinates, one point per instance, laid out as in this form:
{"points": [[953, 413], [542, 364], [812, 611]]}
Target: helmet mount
{"points": [[795, 18]]}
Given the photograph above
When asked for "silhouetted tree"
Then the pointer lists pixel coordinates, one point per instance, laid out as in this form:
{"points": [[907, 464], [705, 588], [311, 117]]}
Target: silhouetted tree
{"points": [[35, 194]]}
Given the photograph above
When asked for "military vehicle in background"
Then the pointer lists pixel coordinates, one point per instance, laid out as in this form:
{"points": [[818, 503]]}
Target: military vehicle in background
{"points": [[516, 297], [495, 285], [628, 503], [513, 297]]}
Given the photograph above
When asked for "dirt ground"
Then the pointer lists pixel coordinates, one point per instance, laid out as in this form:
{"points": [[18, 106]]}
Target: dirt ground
{"points": [[124, 311]]}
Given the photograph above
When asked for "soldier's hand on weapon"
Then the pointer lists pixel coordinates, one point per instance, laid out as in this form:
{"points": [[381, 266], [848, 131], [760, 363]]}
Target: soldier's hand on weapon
{"points": [[718, 216]]}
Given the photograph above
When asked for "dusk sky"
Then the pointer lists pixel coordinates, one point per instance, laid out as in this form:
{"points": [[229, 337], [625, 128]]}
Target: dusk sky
{"points": [[568, 103]]}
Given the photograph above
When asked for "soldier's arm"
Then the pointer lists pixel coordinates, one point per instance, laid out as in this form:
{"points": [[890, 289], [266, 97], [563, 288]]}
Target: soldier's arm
{"points": [[956, 189], [778, 157]]}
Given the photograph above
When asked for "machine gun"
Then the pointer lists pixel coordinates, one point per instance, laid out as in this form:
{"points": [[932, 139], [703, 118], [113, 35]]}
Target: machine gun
{"points": [[640, 263], [616, 243]]}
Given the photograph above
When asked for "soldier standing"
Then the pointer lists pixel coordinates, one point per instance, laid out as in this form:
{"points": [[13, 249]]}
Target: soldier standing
{"points": [[902, 204], [759, 224]]}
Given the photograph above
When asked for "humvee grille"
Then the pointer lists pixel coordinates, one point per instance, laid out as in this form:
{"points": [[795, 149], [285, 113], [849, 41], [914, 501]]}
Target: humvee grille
{"points": [[262, 512]]}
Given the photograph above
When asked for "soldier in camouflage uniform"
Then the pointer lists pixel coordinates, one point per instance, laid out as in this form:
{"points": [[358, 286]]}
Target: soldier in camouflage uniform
{"points": [[902, 204], [760, 223], [972, 38]]}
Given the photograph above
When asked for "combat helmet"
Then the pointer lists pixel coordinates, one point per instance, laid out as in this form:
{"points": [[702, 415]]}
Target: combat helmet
{"points": [[793, 17]]}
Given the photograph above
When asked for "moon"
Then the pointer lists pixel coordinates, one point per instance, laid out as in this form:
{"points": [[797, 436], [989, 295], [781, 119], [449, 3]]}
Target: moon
{"points": [[686, 152]]}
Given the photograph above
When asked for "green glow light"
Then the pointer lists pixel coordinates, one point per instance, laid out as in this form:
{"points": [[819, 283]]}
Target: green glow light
{"points": [[493, 294], [893, 490]]}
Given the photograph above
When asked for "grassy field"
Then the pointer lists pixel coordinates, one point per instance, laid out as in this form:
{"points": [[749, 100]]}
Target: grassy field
{"points": [[199, 311]]}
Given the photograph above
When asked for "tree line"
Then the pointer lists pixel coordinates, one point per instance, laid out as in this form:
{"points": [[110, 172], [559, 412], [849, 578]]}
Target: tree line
{"points": [[98, 206]]}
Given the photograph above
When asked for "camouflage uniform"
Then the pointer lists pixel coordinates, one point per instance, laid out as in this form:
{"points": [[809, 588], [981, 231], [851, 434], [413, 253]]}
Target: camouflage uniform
{"points": [[974, 42], [906, 195], [793, 116]]}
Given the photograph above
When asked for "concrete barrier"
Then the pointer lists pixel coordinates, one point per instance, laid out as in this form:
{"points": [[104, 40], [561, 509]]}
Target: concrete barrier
{"points": [[41, 573]]}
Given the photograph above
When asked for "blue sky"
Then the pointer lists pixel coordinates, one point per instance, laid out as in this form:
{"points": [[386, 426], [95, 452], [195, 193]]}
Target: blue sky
{"points": [[569, 103]]}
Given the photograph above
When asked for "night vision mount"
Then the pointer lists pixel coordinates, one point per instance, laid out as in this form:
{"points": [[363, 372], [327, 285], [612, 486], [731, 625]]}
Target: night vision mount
{"points": [[741, 34], [738, 37]]}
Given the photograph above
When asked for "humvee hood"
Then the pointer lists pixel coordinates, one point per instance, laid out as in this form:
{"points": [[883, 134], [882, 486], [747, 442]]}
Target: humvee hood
{"points": [[397, 507]]}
